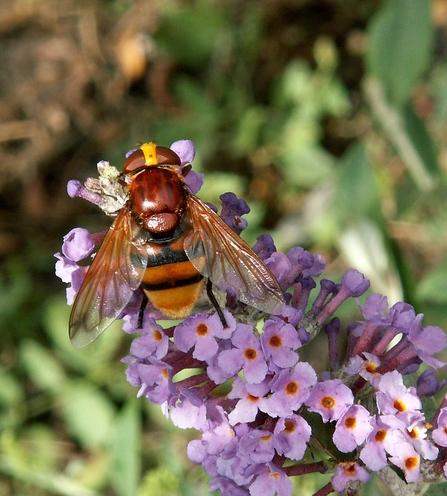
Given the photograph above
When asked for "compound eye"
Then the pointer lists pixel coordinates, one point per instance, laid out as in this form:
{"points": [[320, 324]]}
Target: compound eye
{"points": [[167, 156], [134, 162]]}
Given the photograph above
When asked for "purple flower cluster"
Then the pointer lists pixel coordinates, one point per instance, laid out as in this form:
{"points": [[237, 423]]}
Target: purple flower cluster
{"points": [[276, 412]]}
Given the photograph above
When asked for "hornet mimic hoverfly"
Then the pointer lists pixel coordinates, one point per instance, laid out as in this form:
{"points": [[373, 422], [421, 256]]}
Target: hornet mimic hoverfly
{"points": [[166, 241]]}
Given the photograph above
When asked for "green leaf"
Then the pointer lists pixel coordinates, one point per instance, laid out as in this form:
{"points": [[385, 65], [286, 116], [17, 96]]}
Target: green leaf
{"points": [[193, 34], [433, 286], [126, 450], [400, 40], [44, 370], [356, 193], [421, 139], [88, 413]]}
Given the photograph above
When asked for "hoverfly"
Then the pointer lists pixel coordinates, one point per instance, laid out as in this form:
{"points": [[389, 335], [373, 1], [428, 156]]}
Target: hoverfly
{"points": [[166, 241]]}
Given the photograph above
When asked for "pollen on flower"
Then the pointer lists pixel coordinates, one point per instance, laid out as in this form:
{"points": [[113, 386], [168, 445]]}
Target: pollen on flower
{"points": [[411, 462], [202, 329], [350, 469], [289, 426], [380, 436], [266, 438], [292, 388], [252, 398], [371, 367], [350, 423], [399, 406], [327, 402], [250, 354], [414, 434], [275, 475], [157, 335], [275, 341], [165, 373]]}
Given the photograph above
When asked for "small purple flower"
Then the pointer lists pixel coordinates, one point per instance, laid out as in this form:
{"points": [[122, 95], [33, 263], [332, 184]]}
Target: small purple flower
{"points": [[231, 464], [394, 398], [374, 307], [189, 410], [271, 481], [330, 399], [232, 209], [427, 341], [214, 370], [428, 384], [246, 354], [200, 331], [249, 396], [365, 366], [78, 244], [279, 340], [257, 446], [74, 187], [185, 149], [352, 428], [290, 389], [216, 434], [156, 381], [291, 315], [280, 265], [153, 342], [65, 268], [355, 282], [404, 456], [291, 437], [387, 430], [70, 272], [309, 265], [417, 430], [264, 246], [348, 472]]}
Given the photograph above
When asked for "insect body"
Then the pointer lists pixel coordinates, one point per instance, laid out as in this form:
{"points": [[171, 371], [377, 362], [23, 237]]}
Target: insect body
{"points": [[167, 241]]}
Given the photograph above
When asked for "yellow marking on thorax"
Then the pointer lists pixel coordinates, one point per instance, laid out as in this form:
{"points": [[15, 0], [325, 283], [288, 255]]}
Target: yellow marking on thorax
{"points": [[150, 153]]}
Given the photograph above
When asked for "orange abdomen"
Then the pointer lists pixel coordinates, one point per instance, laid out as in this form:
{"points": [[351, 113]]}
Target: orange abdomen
{"points": [[170, 281]]}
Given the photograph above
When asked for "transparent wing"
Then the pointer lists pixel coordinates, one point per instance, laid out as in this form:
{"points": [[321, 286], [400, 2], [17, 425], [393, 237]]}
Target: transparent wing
{"points": [[229, 261], [110, 282]]}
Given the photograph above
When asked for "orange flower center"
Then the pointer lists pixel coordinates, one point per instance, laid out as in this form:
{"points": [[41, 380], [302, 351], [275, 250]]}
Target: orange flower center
{"points": [[371, 367], [380, 436], [411, 462], [202, 330], [289, 426], [350, 422], [327, 402], [292, 388], [275, 342], [250, 354], [399, 406]]}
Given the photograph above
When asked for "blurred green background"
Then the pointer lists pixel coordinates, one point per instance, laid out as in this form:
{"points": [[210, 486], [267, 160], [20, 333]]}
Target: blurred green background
{"points": [[328, 116]]}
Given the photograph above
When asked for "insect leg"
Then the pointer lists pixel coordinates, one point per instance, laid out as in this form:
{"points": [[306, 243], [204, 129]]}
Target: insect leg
{"points": [[143, 305], [209, 292]]}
